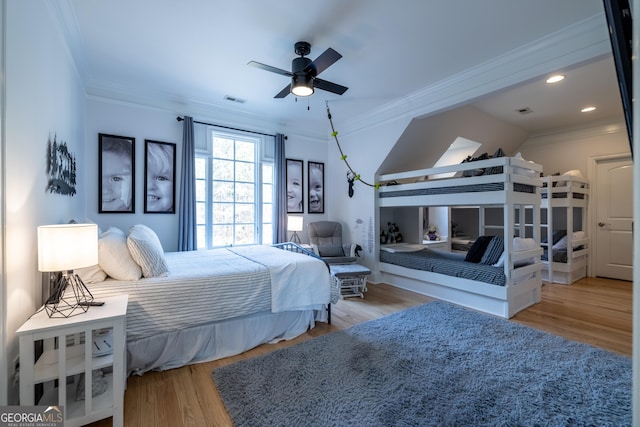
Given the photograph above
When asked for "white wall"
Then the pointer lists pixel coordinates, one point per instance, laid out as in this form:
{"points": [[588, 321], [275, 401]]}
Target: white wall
{"points": [[115, 118], [573, 148], [365, 151], [307, 149], [43, 98]]}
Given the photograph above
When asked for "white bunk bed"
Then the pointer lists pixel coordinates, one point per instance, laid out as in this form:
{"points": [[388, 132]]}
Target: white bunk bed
{"points": [[564, 200], [509, 182]]}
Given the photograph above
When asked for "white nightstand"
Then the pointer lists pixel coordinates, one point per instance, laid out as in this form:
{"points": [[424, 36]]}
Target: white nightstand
{"points": [[59, 366]]}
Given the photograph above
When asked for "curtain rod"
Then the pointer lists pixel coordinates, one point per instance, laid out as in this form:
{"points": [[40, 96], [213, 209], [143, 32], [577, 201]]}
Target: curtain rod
{"points": [[227, 127]]}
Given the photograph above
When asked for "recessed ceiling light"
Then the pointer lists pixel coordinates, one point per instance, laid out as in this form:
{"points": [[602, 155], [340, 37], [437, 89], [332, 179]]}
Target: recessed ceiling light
{"points": [[588, 109], [555, 78]]}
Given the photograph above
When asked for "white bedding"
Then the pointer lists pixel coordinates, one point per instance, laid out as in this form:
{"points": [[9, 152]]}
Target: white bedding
{"points": [[291, 288], [214, 285]]}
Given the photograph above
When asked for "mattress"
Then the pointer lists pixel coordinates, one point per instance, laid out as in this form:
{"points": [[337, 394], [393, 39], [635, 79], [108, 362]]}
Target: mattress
{"points": [[458, 189], [450, 264]]}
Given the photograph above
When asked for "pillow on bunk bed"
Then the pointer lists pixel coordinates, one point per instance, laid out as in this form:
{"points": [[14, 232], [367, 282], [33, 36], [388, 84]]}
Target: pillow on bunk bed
{"points": [[579, 235], [556, 236], [494, 251], [146, 250], [477, 249], [561, 244], [524, 244], [114, 257], [519, 244]]}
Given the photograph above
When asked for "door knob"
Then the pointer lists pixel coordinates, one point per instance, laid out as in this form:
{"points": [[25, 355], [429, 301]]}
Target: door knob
{"points": [[602, 224]]}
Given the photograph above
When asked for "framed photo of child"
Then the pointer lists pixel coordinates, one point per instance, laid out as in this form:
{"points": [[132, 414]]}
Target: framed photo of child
{"points": [[315, 193], [116, 172], [159, 177], [295, 182]]}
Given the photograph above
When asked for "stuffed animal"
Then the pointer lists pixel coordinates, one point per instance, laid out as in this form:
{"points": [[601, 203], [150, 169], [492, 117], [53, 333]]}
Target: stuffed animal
{"points": [[432, 233]]}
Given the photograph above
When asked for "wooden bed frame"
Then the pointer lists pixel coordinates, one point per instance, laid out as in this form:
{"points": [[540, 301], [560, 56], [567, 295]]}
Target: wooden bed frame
{"points": [[446, 186]]}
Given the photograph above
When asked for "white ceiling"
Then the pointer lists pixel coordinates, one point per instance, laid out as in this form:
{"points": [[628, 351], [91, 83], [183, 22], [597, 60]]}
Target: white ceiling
{"points": [[191, 54]]}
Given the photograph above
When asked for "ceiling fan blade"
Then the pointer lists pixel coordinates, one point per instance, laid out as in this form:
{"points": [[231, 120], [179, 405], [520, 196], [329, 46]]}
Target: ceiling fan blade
{"points": [[329, 87], [322, 62], [269, 68], [284, 92]]}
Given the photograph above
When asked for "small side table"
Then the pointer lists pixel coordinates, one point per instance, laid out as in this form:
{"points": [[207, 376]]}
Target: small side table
{"points": [[59, 364], [351, 279]]}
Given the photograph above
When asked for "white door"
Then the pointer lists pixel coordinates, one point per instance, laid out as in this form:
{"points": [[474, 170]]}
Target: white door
{"points": [[613, 245]]}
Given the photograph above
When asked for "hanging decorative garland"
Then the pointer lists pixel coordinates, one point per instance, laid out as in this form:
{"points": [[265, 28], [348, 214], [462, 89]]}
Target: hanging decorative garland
{"points": [[352, 176]]}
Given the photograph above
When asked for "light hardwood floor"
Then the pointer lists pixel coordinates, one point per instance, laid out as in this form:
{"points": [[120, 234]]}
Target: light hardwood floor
{"points": [[592, 310]]}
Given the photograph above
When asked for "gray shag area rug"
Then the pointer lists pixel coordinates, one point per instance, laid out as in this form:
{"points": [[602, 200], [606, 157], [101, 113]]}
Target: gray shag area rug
{"points": [[435, 364]]}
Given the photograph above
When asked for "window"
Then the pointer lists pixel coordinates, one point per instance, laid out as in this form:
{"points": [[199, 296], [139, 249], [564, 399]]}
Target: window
{"points": [[234, 190]]}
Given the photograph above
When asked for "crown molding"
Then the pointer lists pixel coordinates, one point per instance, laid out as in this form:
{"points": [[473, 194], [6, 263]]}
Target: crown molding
{"points": [[600, 128]]}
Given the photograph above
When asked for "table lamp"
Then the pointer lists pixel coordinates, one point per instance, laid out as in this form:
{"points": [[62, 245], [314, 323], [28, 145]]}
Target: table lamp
{"points": [[295, 224], [63, 248]]}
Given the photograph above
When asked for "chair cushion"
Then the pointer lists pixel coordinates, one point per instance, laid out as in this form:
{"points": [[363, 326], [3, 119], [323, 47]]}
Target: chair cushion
{"points": [[330, 250], [334, 260]]}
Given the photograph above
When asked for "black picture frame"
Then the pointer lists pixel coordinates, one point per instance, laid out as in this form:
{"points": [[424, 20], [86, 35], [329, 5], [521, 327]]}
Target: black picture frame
{"points": [[116, 174], [159, 177], [315, 189], [295, 186]]}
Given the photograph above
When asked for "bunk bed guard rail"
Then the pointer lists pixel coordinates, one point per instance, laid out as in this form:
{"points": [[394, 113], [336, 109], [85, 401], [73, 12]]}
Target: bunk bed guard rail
{"points": [[499, 180]]}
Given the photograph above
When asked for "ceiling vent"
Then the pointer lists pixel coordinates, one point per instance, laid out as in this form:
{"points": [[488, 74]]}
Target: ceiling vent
{"points": [[234, 99], [526, 110]]}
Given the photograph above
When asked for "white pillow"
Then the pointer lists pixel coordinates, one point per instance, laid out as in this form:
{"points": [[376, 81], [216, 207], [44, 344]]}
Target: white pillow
{"points": [[146, 250], [519, 244], [523, 244], [500, 262], [93, 274], [574, 172], [561, 244], [114, 257]]}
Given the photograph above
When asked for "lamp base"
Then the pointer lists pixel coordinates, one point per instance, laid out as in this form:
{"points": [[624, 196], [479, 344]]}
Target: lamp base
{"points": [[70, 297], [295, 238]]}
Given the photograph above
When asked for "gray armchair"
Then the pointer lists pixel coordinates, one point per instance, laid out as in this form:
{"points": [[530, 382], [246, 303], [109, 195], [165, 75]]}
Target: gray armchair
{"points": [[325, 238]]}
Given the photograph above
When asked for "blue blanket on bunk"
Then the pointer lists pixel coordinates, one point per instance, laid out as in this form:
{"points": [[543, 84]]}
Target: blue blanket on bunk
{"points": [[450, 264]]}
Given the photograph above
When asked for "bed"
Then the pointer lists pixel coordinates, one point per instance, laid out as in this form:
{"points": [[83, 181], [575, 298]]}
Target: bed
{"points": [[564, 219], [211, 304], [510, 183]]}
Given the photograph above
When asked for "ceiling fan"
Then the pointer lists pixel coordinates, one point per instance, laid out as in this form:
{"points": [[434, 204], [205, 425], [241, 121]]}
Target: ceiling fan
{"points": [[304, 71]]}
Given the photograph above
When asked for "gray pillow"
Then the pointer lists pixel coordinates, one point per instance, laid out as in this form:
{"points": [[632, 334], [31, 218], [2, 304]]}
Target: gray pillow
{"points": [[146, 250], [494, 250]]}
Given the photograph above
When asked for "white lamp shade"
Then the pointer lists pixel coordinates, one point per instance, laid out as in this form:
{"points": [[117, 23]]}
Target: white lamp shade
{"points": [[63, 247], [294, 223]]}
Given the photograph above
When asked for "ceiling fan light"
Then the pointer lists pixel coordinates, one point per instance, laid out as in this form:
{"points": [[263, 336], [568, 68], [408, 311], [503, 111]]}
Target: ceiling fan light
{"points": [[302, 86]]}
